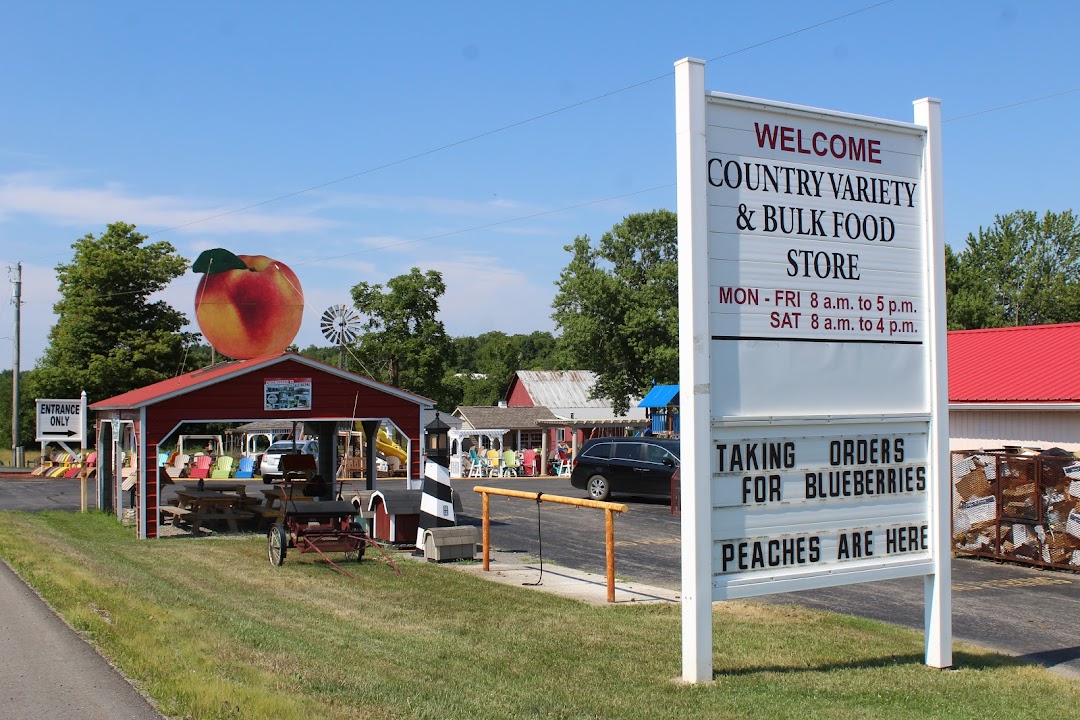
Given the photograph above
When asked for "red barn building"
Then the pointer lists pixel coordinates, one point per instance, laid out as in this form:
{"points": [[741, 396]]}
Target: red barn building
{"points": [[287, 387]]}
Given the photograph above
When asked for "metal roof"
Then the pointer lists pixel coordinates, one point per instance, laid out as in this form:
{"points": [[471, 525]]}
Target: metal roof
{"points": [[172, 387], [566, 392], [512, 418], [1036, 363], [558, 389]]}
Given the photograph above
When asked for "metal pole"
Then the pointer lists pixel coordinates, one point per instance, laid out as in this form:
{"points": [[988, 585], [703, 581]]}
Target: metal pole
{"points": [[16, 443]]}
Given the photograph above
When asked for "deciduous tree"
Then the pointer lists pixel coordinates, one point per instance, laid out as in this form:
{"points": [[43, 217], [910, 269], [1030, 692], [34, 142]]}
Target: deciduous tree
{"points": [[404, 344], [486, 363], [1022, 270], [110, 337], [618, 306]]}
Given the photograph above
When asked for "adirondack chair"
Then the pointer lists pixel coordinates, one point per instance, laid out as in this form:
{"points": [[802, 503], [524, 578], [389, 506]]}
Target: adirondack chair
{"points": [[222, 468], [178, 465], [201, 468], [246, 468]]}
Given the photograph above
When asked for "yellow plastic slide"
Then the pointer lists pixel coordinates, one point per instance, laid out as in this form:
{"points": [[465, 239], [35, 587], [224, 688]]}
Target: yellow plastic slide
{"points": [[388, 447]]}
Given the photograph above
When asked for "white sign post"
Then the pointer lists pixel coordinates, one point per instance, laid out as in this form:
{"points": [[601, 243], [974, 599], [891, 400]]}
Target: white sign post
{"points": [[812, 337]]}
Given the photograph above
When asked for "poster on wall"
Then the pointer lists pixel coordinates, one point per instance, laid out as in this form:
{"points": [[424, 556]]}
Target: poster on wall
{"points": [[287, 394]]}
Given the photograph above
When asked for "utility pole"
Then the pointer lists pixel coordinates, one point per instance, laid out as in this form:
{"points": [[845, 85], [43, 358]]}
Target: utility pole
{"points": [[16, 444]]}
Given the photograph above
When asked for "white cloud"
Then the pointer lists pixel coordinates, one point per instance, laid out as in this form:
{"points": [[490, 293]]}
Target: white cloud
{"points": [[484, 295], [38, 196]]}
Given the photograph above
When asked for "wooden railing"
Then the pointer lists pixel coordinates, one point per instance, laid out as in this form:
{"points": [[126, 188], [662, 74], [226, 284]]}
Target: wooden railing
{"points": [[609, 509]]}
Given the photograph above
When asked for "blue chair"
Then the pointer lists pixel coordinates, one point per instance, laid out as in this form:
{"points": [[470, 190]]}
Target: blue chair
{"points": [[246, 468]]}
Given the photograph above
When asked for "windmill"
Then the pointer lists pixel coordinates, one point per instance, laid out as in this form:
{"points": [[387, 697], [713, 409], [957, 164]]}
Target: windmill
{"points": [[340, 325]]}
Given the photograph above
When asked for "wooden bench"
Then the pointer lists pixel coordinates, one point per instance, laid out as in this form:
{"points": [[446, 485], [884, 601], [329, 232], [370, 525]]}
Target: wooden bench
{"points": [[229, 516], [266, 515], [175, 513]]}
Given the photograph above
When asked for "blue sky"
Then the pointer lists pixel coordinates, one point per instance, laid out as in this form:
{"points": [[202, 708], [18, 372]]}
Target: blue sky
{"points": [[167, 114]]}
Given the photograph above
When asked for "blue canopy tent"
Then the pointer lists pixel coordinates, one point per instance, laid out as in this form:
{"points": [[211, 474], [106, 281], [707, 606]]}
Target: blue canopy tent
{"points": [[662, 408]]}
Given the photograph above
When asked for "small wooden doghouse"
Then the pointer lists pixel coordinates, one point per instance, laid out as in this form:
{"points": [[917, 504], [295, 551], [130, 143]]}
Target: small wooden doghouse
{"points": [[397, 515]]}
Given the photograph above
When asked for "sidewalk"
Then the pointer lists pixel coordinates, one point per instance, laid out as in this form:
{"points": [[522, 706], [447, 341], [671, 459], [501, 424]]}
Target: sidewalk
{"points": [[51, 672], [520, 569]]}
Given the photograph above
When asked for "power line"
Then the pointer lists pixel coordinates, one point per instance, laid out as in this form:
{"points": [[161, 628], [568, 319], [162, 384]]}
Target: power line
{"points": [[517, 124], [485, 226], [1011, 105], [439, 236]]}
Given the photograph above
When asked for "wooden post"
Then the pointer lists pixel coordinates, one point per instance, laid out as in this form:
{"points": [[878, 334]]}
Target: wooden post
{"points": [[609, 541], [609, 514], [487, 530]]}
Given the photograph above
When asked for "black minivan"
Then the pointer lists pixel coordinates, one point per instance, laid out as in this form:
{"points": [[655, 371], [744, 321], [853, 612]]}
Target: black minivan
{"points": [[631, 465]]}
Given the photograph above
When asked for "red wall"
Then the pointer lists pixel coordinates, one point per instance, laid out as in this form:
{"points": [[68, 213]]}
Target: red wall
{"points": [[241, 399], [518, 395]]}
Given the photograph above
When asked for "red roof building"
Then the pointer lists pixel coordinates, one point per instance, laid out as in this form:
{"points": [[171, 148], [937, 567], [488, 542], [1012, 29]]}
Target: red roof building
{"points": [[286, 388], [1015, 386]]}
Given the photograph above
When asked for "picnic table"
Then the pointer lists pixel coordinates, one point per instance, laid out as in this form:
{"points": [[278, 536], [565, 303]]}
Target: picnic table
{"points": [[212, 485], [202, 506]]}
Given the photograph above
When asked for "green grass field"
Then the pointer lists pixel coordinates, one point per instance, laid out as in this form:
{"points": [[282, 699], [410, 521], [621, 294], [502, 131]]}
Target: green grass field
{"points": [[31, 457], [209, 629]]}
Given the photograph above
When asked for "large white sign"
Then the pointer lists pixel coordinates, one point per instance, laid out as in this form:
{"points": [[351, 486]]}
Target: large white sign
{"points": [[797, 507], [812, 336], [61, 420], [817, 261]]}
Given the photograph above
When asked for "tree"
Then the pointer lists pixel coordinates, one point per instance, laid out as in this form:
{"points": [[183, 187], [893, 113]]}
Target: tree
{"points": [[109, 337], [618, 306], [404, 344], [1022, 270], [328, 355], [27, 427], [486, 363]]}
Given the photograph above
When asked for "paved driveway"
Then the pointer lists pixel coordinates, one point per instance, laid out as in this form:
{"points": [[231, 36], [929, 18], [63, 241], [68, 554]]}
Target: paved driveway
{"points": [[1015, 609]]}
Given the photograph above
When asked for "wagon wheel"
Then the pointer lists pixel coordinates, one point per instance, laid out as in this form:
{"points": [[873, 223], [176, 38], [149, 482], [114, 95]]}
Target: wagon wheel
{"points": [[277, 543], [357, 554]]}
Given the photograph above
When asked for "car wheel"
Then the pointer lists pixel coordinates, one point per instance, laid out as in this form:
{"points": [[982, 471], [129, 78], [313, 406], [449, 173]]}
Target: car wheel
{"points": [[598, 487]]}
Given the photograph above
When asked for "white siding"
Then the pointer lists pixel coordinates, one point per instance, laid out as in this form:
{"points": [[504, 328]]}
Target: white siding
{"points": [[973, 429]]}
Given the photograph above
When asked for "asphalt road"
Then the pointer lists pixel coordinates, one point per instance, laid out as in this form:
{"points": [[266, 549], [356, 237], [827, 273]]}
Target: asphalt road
{"points": [[50, 672], [1015, 609]]}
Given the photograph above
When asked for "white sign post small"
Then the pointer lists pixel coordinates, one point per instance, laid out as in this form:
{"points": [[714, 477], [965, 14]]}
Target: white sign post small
{"points": [[812, 355]]}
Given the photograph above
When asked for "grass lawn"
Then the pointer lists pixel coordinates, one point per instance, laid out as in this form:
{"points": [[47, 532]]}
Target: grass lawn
{"points": [[210, 630], [31, 457]]}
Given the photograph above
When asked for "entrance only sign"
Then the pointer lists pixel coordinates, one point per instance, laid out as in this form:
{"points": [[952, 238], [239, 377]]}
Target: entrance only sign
{"points": [[812, 335], [61, 420]]}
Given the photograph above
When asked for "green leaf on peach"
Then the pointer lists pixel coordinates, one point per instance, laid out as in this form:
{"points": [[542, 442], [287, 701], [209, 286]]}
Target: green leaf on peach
{"points": [[217, 260]]}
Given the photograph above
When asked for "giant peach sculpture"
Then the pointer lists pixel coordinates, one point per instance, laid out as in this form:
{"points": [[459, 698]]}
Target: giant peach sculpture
{"points": [[247, 306]]}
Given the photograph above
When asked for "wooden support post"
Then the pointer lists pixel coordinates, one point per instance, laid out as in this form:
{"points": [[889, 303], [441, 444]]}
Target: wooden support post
{"points": [[487, 531], [609, 516], [609, 541]]}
